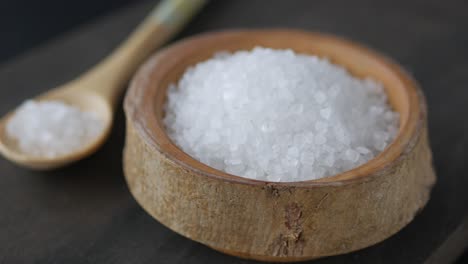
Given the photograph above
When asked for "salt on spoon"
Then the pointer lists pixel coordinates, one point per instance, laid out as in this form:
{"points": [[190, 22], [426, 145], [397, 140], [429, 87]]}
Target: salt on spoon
{"points": [[95, 92], [52, 128]]}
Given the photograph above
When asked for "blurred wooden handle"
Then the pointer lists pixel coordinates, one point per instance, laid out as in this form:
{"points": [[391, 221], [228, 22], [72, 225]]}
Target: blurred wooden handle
{"points": [[110, 76]]}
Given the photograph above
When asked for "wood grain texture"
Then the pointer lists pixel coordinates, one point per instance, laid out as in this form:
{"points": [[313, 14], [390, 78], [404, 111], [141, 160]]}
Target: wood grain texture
{"points": [[85, 213], [276, 221]]}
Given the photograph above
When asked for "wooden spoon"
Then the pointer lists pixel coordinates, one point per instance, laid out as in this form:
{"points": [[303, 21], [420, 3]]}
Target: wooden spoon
{"points": [[98, 89]]}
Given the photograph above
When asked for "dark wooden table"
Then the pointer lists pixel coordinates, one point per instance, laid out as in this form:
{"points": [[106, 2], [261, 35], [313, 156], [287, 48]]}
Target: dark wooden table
{"points": [[85, 213]]}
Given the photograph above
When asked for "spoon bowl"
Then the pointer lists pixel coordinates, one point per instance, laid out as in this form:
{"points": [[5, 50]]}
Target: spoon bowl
{"points": [[86, 101]]}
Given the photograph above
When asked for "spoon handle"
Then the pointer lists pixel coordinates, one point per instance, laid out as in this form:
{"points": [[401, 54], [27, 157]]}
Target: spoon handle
{"points": [[110, 76]]}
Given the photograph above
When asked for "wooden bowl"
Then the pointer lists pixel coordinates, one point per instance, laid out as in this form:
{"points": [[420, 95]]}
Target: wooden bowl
{"points": [[270, 221]]}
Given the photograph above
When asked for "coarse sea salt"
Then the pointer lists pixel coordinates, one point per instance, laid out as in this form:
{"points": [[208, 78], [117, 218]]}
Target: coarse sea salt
{"points": [[52, 128], [276, 115]]}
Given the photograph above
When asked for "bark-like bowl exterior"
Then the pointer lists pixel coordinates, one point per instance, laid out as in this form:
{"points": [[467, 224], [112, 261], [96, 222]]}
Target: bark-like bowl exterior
{"points": [[276, 221]]}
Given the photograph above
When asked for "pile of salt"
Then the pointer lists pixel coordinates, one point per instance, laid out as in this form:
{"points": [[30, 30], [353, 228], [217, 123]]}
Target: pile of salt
{"points": [[52, 128], [278, 116]]}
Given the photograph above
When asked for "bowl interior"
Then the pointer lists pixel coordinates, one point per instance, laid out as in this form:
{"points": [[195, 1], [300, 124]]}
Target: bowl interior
{"points": [[169, 65]]}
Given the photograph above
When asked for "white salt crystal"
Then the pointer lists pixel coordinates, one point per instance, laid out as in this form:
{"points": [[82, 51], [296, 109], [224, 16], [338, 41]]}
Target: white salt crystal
{"points": [[233, 161], [320, 139], [278, 116], [251, 174], [321, 126], [52, 128], [389, 115], [307, 158], [297, 109], [293, 152], [325, 113], [274, 178], [318, 172], [330, 160], [320, 97], [380, 145], [352, 155], [235, 168], [376, 110], [268, 127], [363, 150]]}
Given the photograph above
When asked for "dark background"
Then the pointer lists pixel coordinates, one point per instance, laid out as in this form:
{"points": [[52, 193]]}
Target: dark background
{"points": [[26, 24]]}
